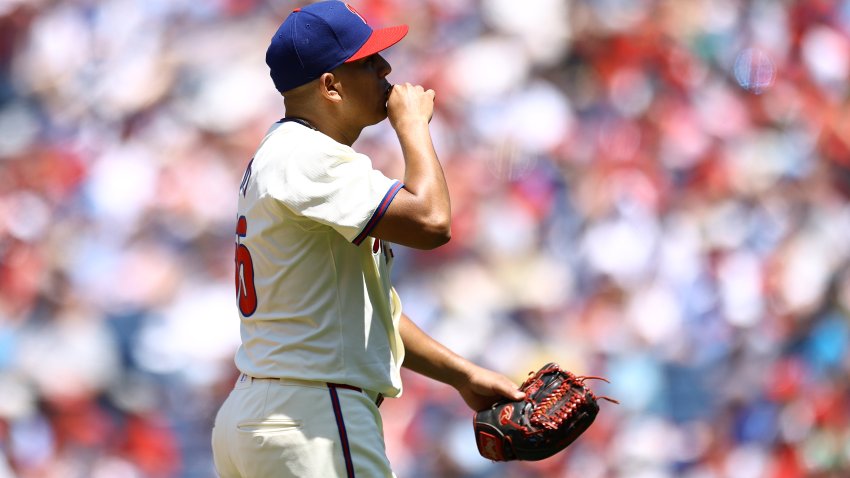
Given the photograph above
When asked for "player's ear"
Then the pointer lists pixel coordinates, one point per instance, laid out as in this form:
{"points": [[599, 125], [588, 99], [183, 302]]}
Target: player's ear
{"points": [[330, 87]]}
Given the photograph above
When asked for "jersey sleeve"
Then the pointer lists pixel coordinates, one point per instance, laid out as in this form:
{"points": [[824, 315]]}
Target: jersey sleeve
{"points": [[339, 189]]}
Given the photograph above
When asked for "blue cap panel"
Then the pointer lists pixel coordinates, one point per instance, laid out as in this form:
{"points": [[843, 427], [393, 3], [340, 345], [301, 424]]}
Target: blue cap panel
{"points": [[313, 40]]}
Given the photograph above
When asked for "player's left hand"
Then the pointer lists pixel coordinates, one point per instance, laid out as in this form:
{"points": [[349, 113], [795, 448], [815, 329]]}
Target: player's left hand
{"points": [[485, 387]]}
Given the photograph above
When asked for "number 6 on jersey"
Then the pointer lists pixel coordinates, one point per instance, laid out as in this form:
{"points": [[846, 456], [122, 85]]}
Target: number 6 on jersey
{"points": [[246, 294]]}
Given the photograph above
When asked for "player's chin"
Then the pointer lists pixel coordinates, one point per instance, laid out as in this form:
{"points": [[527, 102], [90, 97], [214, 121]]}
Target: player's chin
{"points": [[379, 116]]}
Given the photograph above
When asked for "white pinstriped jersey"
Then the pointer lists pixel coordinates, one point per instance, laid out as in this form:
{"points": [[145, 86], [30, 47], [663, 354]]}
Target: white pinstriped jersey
{"points": [[313, 288]]}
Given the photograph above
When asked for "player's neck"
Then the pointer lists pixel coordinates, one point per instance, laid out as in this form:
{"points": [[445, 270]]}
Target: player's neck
{"points": [[327, 126]]}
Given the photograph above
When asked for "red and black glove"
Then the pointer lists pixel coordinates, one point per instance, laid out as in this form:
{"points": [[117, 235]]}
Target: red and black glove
{"points": [[557, 408]]}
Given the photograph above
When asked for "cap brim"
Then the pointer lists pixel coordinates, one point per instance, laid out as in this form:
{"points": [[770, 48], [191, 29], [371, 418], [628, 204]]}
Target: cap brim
{"points": [[380, 39]]}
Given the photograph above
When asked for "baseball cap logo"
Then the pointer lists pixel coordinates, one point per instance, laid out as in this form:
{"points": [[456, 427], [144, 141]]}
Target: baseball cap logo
{"points": [[350, 8]]}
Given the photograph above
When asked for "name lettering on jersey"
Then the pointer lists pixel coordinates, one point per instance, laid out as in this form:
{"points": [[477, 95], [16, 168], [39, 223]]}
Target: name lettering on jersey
{"points": [[243, 186]]}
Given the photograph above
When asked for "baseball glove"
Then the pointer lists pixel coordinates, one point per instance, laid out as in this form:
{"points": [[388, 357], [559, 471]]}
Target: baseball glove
{"points": [[557, 408]]}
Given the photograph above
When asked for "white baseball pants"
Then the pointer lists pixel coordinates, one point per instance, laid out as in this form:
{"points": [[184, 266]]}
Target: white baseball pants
{"points": [[281, 428]]}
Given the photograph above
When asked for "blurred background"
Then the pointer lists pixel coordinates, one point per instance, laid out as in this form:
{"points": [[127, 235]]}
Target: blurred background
{"points": [[655, 191]]}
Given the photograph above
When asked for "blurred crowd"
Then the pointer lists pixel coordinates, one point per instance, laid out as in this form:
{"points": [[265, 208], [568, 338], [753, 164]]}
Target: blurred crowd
{"points": [[653, 191]]}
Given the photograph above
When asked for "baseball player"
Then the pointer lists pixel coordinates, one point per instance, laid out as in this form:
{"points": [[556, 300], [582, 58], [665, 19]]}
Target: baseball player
{"points": [[323, 333]]}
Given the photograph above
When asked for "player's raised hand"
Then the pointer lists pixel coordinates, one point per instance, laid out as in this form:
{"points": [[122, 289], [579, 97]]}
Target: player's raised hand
{"points": [[409, 102]]}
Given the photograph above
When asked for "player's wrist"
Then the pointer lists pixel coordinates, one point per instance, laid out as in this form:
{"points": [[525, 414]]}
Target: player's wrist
{"points": [[410, 125], [462, 374]]}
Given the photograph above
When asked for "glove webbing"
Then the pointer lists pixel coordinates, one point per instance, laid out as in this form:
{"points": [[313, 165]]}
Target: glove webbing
{"points": [[540, 416]]}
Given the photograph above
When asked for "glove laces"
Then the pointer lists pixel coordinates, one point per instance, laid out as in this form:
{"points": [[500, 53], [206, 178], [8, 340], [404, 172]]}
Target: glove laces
{"points": [[545, 415]]}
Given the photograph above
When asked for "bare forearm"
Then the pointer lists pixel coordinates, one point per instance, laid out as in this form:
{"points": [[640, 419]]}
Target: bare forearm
{"points": [[423, 175], [426, 356], [425, 198], [420, 214], [478, 386]]}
